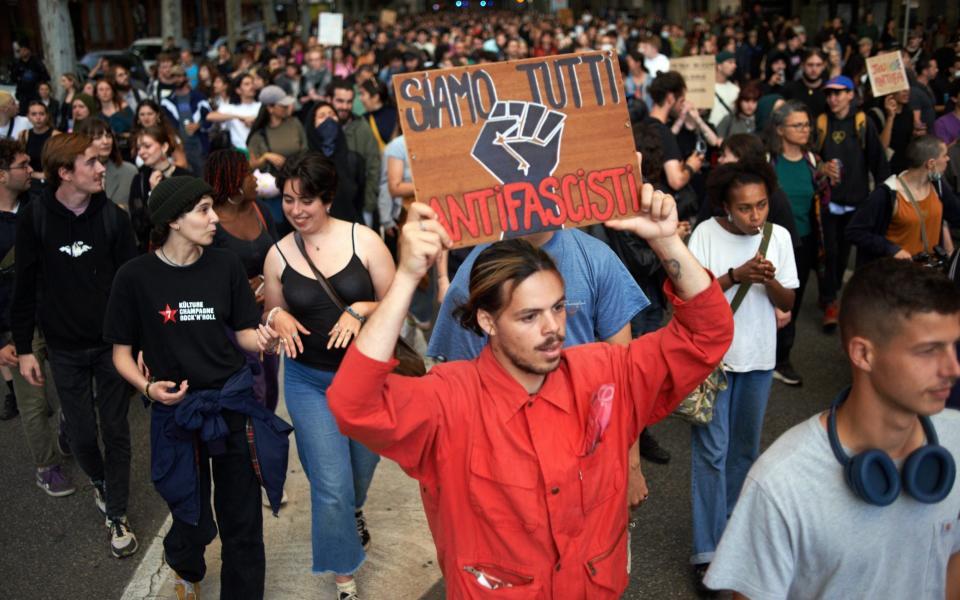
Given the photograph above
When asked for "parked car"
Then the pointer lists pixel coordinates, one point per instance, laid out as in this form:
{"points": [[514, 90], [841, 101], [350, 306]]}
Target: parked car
{"points": [[253, 32], [133, 62], [147, 49]]}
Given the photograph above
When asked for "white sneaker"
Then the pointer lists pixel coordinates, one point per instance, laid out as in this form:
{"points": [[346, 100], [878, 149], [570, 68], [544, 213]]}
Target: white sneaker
{"points": [[122, 541]]}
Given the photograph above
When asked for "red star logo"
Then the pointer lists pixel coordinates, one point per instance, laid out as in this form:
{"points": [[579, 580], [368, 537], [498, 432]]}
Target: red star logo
{"points": [[169, 315]]}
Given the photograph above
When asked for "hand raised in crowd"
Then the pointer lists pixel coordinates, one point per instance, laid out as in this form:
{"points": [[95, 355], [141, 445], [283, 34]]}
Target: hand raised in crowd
{"points": [[756, 270], [658, 213], [345, 330], [283, 330], [8, 356], [155, 178], [167, 392], [890, 105], [422, 241], [695, 162], [30, 369]]}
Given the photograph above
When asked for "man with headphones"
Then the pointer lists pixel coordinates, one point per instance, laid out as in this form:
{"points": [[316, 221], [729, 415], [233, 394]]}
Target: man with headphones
{"points": [[859, 501]]}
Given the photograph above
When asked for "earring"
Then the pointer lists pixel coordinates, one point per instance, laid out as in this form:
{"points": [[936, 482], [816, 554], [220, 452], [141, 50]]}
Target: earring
{"points": [[729, 218], [328, 209]]}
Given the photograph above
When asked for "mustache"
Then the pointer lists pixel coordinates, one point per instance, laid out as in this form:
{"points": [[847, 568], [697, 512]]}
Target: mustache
{"points": [[551, 341]]}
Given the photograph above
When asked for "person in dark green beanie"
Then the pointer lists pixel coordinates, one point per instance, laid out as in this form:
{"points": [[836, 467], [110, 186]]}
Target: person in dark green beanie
{"points": [[176, 305]]}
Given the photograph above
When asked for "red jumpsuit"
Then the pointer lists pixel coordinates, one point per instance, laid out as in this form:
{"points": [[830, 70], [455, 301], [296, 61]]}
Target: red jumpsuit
{"points": [[515, 496]]}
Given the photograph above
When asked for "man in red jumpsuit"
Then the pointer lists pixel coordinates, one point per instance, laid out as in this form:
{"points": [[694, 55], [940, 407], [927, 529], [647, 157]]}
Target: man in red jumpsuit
{"points": [[520, 453]]}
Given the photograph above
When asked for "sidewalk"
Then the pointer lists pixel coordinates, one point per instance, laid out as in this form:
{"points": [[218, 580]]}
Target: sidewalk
{"points": [[401, 563]]}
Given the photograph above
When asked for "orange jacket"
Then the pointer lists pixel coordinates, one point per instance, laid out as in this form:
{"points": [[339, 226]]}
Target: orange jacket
{"points": [[511, 495]]}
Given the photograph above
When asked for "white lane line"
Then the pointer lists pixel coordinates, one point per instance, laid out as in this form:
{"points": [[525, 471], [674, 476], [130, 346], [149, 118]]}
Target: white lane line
{"points": [[152, 572]]}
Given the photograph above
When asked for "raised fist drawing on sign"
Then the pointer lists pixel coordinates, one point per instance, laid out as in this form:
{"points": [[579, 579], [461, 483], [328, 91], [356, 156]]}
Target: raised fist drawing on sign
{"points": [[520, 141]]}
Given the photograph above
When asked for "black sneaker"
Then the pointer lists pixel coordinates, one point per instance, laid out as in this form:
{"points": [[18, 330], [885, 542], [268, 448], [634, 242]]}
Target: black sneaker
{"points": [[786, 374], [362, 529], [122, 541], [651, 450], [9, 409], [63, 442], [699, 572]]}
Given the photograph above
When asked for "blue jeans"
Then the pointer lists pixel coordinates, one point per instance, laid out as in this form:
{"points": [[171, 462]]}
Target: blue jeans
{"points": [[339, 470], [722, 453]]}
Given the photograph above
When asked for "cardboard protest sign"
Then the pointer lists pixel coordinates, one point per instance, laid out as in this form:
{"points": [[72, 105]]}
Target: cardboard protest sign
{"points": [[331, 29], [700, 75], [507, 149], [388, 17], [887, 74]]}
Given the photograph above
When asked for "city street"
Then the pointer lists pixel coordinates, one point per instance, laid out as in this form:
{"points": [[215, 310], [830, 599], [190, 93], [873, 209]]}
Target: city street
{"points": [[57, 548]]}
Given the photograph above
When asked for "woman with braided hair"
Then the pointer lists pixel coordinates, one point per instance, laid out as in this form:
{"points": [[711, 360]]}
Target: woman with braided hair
{"points": [[246, 229]]}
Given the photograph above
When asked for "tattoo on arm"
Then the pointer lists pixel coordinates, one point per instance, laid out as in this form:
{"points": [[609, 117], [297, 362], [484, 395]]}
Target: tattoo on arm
{"points": [[672, 266]]}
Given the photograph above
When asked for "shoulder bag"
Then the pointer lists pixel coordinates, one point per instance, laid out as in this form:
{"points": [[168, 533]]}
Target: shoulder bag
{"points": [[697, 407], [411, 363]]}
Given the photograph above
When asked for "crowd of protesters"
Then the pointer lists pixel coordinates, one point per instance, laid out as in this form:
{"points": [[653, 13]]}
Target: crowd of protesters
{"points": [[263, 202]]}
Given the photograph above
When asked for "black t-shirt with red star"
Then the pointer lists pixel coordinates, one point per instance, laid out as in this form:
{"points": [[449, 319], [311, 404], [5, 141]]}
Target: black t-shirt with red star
{"points": [[179, 316]]}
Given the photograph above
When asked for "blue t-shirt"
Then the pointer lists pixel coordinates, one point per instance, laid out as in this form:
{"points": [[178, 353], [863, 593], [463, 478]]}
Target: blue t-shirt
{"points": [[602, 297]]}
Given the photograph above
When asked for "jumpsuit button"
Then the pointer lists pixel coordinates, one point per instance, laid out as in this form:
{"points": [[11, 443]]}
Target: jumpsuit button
{"points": [[555, 491]]}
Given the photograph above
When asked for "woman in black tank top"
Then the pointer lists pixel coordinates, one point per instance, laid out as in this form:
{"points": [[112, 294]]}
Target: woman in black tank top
{"points": [[247, 230], [312, 333]]}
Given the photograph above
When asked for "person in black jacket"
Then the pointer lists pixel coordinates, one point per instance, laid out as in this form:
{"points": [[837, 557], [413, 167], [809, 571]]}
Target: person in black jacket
{"points": [[28, 71], [889, 222], [69, 245], [34, 402]]}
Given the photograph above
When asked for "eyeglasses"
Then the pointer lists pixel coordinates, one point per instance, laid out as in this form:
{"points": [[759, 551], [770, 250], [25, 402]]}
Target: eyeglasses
{"points": [[798, 126], [14, 167]]}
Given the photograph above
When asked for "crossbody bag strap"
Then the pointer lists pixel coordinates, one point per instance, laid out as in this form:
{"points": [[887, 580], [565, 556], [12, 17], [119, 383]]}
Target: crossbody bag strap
{"points": [[327, 288], [745, 287], [916, 207]]}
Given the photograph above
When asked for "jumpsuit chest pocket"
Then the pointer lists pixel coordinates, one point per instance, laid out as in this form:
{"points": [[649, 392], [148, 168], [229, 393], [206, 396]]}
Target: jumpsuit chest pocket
{"points": [[601, 475], [504, 488]]}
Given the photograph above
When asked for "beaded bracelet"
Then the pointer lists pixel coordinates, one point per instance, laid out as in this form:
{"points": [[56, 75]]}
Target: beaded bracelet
{"points": [[355, 315]]}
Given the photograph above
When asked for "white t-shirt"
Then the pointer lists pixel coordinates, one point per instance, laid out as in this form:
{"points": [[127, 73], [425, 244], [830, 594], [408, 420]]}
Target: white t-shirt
{"points": [[728, 92], [237, 128], [656, 65], [754, 346], [13, 127], [798, 532]]}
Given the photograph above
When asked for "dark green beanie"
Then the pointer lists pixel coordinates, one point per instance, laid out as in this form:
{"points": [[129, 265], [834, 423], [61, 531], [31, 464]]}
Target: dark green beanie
{"points": [[172, 197], [90, 103]]}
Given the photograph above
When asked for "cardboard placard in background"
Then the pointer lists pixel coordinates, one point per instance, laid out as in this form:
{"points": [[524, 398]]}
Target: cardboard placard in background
{"points": [[331, 29], [887, 74], [388, 17], [506, 149], [700, 75]]}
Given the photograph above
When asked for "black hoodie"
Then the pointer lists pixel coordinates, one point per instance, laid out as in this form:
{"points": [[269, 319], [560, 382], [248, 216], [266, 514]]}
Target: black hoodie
{"points": [[65, 278]]}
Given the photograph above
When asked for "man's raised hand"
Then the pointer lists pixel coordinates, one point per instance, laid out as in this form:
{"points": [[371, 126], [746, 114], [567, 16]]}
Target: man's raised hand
{"points": [[421, 242], [658, 213]]}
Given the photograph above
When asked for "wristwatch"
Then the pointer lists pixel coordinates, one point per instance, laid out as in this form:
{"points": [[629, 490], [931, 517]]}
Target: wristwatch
{"points": [[730, 275]]}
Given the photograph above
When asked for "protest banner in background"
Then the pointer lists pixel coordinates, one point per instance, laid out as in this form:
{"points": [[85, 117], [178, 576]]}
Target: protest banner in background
{"points": [[388, 17], [331, 29], [887, 74], [507, 149], [700, 75]]}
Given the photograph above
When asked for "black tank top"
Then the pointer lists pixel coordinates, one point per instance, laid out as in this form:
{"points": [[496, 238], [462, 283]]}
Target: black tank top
{"points": [[317, 312], [35, 142]]}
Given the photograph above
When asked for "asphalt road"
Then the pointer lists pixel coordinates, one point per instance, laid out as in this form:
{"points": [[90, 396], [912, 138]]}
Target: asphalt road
{"points": [[57, 548]]}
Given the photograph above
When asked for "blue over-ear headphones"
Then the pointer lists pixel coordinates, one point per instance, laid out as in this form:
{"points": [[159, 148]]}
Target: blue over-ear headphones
{"points": [[928, 473]]}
